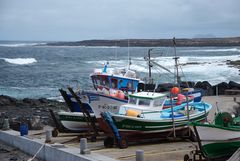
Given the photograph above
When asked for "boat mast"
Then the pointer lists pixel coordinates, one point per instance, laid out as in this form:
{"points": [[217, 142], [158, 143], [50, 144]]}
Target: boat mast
{"points": [[176, 62], [149, 67], [129, 59], [116, 50]]}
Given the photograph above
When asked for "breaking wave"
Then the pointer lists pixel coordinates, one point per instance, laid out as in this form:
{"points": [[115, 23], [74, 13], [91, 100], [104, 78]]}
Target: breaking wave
{"points": [[213, 50], [20, 44], [20, 61]]}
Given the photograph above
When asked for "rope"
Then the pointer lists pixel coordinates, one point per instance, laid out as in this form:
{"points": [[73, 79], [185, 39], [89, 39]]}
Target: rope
{"points": [[36, 153]]}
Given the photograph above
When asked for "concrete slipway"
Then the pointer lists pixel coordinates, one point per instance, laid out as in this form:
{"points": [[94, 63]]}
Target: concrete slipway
{"points": [[70, 151]]}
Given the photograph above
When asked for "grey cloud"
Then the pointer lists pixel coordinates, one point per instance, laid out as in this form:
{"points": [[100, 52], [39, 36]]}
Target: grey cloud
{"points": [[89, 19]]}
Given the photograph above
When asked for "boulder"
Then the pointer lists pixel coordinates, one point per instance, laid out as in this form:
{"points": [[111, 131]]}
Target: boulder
{"points": [[221, 88], [206, 87], [31, 102], [187, 84], [233, 85], [7, 100], [165, 87], [43, 100]]}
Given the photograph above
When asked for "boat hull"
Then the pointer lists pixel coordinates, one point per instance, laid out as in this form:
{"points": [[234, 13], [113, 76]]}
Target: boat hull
{"points": [[217, 141], [100, 102], [74, 121], [153, 124], [130, 125]]}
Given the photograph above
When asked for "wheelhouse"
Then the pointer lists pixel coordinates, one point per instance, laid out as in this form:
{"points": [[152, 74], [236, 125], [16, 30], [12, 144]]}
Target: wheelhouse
{"points": [[146, 99]]}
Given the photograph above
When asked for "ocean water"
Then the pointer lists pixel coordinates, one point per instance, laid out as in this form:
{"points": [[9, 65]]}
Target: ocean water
{"points": [[27, 70]]}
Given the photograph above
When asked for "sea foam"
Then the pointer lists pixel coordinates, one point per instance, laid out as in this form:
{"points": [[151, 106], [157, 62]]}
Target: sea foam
{"points": [[20, 61], [20, 44], [213, 50]]}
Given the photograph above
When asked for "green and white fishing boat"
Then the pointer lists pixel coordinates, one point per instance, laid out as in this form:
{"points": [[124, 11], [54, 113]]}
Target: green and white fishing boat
{"points": [[74, 121], [144, 115], [220, 139]]}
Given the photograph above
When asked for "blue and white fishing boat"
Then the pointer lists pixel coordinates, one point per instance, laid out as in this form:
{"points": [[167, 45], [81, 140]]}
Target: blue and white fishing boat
{"points": [[111, 90]]}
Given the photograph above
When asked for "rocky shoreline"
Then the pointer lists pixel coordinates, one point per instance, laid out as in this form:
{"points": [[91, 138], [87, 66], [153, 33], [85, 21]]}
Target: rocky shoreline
{"points": [[34, 112], [31, 111], [181, 42], [235, 63]]}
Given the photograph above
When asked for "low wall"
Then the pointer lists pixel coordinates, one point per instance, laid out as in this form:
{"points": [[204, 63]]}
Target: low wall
{"points": [[48, 152]]}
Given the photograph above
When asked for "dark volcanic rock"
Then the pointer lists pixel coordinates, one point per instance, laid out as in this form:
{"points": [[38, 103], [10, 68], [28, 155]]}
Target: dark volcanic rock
{"points": [[187, 84], [6, 100], [221, 88], [235, 63], [43, 100], [234, 85], [206, 86], [232, 41], [25, 110]]}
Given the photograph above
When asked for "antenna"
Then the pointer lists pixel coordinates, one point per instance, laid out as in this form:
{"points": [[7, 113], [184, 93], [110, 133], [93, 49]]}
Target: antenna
{"points": [[116, 50], [156, 85], [176, 62], [129, 60], [149, 66]]}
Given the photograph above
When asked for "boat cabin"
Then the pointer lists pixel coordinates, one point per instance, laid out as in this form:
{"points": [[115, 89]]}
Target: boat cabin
{"points": [[105, 81], [146, 101]]}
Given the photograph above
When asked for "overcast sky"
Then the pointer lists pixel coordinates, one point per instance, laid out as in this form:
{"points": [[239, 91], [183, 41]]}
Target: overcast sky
{"points": [[71, 20]]}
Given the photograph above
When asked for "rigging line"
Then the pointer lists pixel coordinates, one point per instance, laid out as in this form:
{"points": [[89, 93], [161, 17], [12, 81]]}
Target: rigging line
{"points": [[164, 75], [184, 76], [36, 153], [128, 56]]}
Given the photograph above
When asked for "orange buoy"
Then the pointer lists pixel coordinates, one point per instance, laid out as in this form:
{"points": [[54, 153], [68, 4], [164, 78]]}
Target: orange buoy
{"points": [[181, 97], [175, 90], [121, 95], [178, 102], [134, 113]]}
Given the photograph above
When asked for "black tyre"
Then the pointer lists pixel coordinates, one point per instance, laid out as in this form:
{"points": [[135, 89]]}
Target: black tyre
{"points": [[93, 138], [193, 137], [55, 132], [108, 142], [186, 157], [123, 144]]}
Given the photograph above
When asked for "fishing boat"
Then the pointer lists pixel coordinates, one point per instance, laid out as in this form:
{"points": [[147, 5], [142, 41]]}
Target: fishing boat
{"points": [[74, 121], [111, 90], [219, 139], [143, 116]]}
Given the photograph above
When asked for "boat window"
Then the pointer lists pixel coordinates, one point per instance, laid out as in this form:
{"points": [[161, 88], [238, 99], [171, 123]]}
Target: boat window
{"points": [[104, 82], [130, 85], [145, 102], [114, 83], [132, 100], [93, 79], [94, 82], [158, 102], [97, 80], [120, 83]]}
